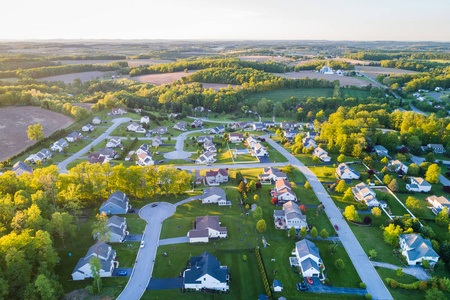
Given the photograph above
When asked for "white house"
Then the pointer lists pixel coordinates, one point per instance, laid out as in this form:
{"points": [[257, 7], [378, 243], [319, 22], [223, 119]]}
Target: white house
{"points": [[117, 227], [206, 272], [309, 143], [290, 216], [59, 145], [258, 126], [157, 141], [87, 127], [251, 141], [206, 158], [308, 258], [106, 255], [118, 111], [438, 203], [283, 191], [363, 193], [290, 134], [259, 150], [209, 146], [160, 130], [117, 203], [214, 195], [343, 171], [216, 177], [437, 148], [326, 70], [271, 174], [204, 139], [197, 123], [415, 249], [135, 127], [288, 125], [321, 154], [217, 130], [74, 136], [145, 119], [205, 228], [40, 156], [96, 120], [398, 166], [418, 184], [180, 126], [236, 137], [114, 142]]}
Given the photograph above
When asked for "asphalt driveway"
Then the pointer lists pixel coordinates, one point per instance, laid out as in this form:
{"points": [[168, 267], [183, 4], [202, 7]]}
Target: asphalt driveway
{"points": [[178, 240], [133, 238], [117, 270], [318, 287], [165, 284]]}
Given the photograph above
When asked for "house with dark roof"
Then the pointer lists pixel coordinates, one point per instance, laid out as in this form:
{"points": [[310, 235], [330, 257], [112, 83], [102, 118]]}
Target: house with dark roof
{"points": [[197, 123], [117, 227], [236, 137], [288, 125], [289, 216], [343, 171], [309, 143], [217, 129], [205, 228], [40, 156], [157, 141], [102, 156], [117, 203], [271, 174], [309, 259], [418, 184], [209, 146], [107, 259], [216, 177], [96, 120], [415, 249], [290, 134], [277, 287], [59, 145], [180, 126], [214, 195], [380, 150], [74, 136], [205, 272], [206, 158], [258, 126], [20, 168], [204, 139]]}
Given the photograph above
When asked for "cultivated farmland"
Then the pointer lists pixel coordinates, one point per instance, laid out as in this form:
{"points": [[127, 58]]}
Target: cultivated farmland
{"points": [[343, 80], [131, 62], [262, 58], [14, 122], [373, 72], [164, 78], [69, 78]]}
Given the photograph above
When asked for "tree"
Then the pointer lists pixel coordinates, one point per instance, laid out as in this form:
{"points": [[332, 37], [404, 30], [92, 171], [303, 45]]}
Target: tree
{"points": [[96, 266], [258, 214], [393, 185], [387, 179], [373, 253], [244, 257], [348, 196], [391, 234], [413, 170], [384, 161], [44, 287], [251, 186], [351, 214], [303, 232], [289, 169], [341, 158], [434, 294], [261, 226], [61, 224], [242, 187], [72, 202], [432, 174], [307, 185], [376, 212], [430, 157], [302, 208], [313, 233], [399, 272], [339, 263], [442, 217], [99, 229], [292, 232], [341, 186], [316, 159], [413, 204], [35, 132], [324, 233], [274, 200]]}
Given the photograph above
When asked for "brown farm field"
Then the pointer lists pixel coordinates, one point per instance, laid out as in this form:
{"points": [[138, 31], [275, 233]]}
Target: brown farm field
{"points": [[14, 122], [352, 61], [164, 78], [131, 62], [69, 78], [373, 72], [261, 58], [344, 80]]}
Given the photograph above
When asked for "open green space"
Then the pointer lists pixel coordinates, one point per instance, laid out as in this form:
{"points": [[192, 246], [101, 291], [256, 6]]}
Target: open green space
{"points": [[397, 293]]}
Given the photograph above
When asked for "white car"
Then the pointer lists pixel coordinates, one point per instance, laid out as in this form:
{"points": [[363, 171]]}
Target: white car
{"points": [[142, 244]]}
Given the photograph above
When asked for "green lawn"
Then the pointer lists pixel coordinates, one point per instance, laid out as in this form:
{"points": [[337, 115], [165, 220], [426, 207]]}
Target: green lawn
{"points": [[400, 294], [136, 225]]}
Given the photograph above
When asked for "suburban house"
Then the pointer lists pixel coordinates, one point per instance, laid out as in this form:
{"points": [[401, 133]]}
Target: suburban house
{"points": [[104, 155], [288, 125], [251, 141], [118, 111], [204, 139], [283, 191], [216, 177], [236, 137], [242, 125], [309, 143], [290, 134], [114, 142], [310, 126], [398, 166], [87, 128], [197, 123], [343, 171], [135, 128], [144, 159], [59, 145], [117, 227], [416, 249], [289, 216], [138, 110], [180, 126], [258, 126], [145, 119], [20, 168], [217, 130], [173, 116], [143, 149], [96, 120], [160, 130], [268, 124], [437, 148], [205, 272], [326, 70], [312, 134], [271, 174], [206, 158], [209, 146], [107, 258], [438, 203], [322, 154], [40, 156], [363, 193], [308, 258], [259, 150], [117, 203], [380, 150], [157, 141], [74, 136], [205, 228], [277, 286], [214, 195], [418, 184]]}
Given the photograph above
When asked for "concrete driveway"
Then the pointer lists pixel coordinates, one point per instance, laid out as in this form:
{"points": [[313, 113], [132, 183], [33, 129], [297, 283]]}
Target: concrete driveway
{"points": [[416, 271], [143, 267], [178, 240]]}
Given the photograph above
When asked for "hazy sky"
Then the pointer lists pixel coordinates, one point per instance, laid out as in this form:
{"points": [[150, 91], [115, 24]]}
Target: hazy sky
{"points": [[411, 20]]}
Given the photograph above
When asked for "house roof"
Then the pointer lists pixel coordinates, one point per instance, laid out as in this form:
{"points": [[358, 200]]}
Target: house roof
{"points": [[204, 264], [344, 169], [214, 191], [21, 167], [419, 181], [292, 211], [380, 148], [206, 222], [276, 283], [442, 200], [117, 230], [214, 173], [282, 182], [274, 171], [308, 264], [118, 198], [306, 247], [73, 134], [420, 247], [238, 135], [115, 220], [279, 213]]}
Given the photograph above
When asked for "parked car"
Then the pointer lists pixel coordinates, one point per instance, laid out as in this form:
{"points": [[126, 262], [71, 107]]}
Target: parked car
{"points": [[131, 211], [142, 244], [154, 204], [122, 273], [302, 287], [310, 281], [208, 165], [336, 227]]}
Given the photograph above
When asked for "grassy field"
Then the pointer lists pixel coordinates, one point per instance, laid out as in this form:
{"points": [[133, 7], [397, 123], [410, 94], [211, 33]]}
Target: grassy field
{"points": [[400, 294]]}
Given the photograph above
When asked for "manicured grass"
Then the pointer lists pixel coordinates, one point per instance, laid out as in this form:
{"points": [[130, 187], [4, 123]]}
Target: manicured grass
{"points": [[398, 293], [325, 173], [136, 225], [396, 208], [245, 158], [78, 145], [276, 157]]}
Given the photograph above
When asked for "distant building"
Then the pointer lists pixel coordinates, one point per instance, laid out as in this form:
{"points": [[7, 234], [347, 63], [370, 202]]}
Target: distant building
{"points": [[74, 136], [326, 70], [59, 145], [438, 203], [87, 128], [20, 168], [96, 120], [236, 137], [216, 177], [118, 111], [380, 150], [363, 193]]}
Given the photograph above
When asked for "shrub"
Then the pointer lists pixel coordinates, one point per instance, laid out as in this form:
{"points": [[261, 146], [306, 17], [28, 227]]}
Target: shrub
{"points": [[393, 283], [368, 296], [423, 285], [446, 188], [362, 285]]}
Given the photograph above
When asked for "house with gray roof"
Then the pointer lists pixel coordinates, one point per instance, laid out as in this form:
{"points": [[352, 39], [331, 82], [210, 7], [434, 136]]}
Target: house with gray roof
{"points": [[117, 203], [88, 128], [59, 145], [217, 129], [271, 174], [117, 227], [277, 287], [209, 146], [415, 249], [436, 148], [309, 143], [309, 259], [204, 139], [157, 141], [197, 123], [343, 171], [418, 184], [180, 126], [380, 150], [290, 134], [96, 120], [107, 259], [363, 193], [74, 136], [206, 158], [216, 177], [205, 272], [205, 228], [214, 195], [290, 216], [20, 168], [258, 126], [40, 156]]}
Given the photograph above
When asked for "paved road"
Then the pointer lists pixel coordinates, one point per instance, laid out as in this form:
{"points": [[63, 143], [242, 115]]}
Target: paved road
{"points": [[416, 271], [187, 200], [363, 265], [63, 165], [177, 240], [143, 267], [416, 110], [179, 153], [444, 180]]}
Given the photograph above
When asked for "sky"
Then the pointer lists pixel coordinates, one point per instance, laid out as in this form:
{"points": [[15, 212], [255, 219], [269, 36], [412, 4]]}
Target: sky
{"points": [[367, 20]]}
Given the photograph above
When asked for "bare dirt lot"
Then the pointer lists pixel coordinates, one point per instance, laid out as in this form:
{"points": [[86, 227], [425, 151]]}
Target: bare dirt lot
{"points": [[165, 78], [69, 78], [14, 122], [343, 80], [131, 62], [373, 72], [261, 58]]}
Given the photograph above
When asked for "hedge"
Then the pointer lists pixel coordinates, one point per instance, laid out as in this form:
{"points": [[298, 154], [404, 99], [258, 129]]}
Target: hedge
{"points": [[407, 286], [263, 271]]}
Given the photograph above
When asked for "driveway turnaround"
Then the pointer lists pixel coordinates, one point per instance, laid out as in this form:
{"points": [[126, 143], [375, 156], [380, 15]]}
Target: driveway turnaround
{"points": [[165, 284], [179, 153], [416, 271], [317, 287], [178, 240], [143, 267], [363, 265]]}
